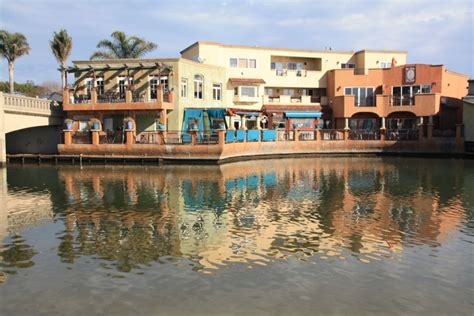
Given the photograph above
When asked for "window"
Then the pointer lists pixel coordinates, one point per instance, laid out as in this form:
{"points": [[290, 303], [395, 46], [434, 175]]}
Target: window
{"points": [[184, 87], [121, 87], [243, 63], [290, 92], [252, 63], [216, 91], [198, 86], [248, 91], [88, 86], [405, 95], [385, 64], [291, 66], [233, 62], [269, 92], [164, 83], [363, 96], [153, 84], [99, 83], [426, 88], [347, 65]]}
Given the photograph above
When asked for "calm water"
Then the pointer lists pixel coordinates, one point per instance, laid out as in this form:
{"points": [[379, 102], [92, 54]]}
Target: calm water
{"points": [[294, 236]]}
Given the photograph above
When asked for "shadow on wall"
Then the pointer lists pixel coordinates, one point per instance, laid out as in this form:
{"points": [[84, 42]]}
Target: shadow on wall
{"points": [[34, 140]]}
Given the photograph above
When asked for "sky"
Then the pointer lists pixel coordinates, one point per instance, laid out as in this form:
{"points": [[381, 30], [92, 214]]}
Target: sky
{"points": [[431, 31]]}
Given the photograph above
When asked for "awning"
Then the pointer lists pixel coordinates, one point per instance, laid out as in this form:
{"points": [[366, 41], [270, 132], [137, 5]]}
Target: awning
{"points": [[241, 81], [248, 113], [291, 108], [303, 114], [240, 111]]}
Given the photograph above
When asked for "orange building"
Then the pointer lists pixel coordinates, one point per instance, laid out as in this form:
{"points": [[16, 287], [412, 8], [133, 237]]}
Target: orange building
{"points": [[394, 101]]}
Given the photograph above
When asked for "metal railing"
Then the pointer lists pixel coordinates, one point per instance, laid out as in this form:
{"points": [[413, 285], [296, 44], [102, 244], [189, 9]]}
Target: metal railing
{"points": [[402, 134], [332, 134], [364, 134], [307, 135]]}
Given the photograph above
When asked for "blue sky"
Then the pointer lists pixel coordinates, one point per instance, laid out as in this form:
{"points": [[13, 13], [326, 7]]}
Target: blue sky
{"points": [[432, 31]]}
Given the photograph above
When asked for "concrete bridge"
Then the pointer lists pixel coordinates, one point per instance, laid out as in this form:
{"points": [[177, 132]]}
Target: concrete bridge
{"points": [[28, 125]]}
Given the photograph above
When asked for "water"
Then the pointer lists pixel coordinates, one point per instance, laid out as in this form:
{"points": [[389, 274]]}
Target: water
{"points": [[293, 236]]}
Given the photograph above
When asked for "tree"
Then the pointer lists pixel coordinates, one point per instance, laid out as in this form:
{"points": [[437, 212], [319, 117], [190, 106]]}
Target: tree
{"points": [[122, 46], [12, 46], [61, 46]]}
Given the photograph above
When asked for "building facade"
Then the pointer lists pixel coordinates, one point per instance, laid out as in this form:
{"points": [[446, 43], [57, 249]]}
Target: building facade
{"points": [[217, 86]]}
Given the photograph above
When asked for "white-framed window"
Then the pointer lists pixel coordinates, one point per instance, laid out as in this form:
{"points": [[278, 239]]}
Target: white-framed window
{"points": [[364, 96], [198, 87], [184, 87], [153, 85], [233, 62], [290, 92], [243, 63], [347, 65], [99, 84], [385, 64], [88, 83], [216, 91], [122, 83], [252, 63], [248, 91], [164, 83]]}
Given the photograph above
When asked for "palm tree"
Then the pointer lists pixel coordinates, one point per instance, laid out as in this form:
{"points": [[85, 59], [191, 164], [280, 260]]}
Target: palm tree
{"points": [[122, 46], [12, 46], [61, 46]]}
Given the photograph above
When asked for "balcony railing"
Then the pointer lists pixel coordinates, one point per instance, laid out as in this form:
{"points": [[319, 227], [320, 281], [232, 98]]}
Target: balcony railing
{"points": [[300, 100], [118, 100]]}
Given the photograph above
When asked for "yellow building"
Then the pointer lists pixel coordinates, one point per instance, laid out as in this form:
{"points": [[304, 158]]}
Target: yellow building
{"points": [[211, 86]]}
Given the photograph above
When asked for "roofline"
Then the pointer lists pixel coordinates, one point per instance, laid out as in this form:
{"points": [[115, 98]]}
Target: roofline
{"points": [[123, 61], [381, 51], [266, 48]]}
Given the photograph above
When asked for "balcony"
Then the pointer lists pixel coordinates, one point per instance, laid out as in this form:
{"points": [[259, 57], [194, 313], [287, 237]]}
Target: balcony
{"points": [[420, 104], [245, 99], [130, 100], [296, 100]]}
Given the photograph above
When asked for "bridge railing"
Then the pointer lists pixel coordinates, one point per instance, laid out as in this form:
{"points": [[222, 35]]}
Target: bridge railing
{"points": [[28, 104]]}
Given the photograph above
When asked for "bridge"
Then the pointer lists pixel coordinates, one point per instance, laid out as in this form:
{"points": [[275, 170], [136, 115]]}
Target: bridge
{"points": [[28, 125]]}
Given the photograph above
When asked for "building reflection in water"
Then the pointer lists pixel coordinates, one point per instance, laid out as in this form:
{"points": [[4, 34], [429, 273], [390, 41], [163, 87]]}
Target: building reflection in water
{"points": [[255, 212]]}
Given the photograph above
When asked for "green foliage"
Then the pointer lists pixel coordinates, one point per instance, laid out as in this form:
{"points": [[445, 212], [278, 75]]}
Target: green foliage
{"points": [[28, 89], [122, 46], [61, 46], [13, 45]]}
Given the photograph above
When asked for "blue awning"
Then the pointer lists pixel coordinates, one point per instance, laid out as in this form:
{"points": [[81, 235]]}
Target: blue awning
{"points": [[303, 114]]}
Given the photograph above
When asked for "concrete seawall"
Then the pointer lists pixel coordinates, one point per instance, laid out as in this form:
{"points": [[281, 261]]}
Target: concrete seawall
{"points": [[222, 152]]}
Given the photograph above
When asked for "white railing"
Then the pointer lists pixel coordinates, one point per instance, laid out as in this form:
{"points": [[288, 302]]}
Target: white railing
{"points": [[28, 104]]}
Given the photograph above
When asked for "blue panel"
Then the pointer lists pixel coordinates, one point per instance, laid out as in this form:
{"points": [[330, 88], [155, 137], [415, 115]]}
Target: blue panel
{"points": [[229, 185], [240, 135], [269, 135], [216, 113], [191, 113], [303, 114], [229, 136], [253, 135], [269, 179], [252, 181], [240, 183]]}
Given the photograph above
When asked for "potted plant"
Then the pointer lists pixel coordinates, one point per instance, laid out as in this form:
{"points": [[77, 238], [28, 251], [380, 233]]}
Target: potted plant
{"points": [[128, 123], [221, 126], [95, 124], [68, 123]]}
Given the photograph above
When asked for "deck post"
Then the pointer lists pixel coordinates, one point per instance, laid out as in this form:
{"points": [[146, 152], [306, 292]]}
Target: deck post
{"points": [[317, 135], [67, 137], [297, 135], [93, 95], [193, 137], [221, 134], [95, 136]]}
